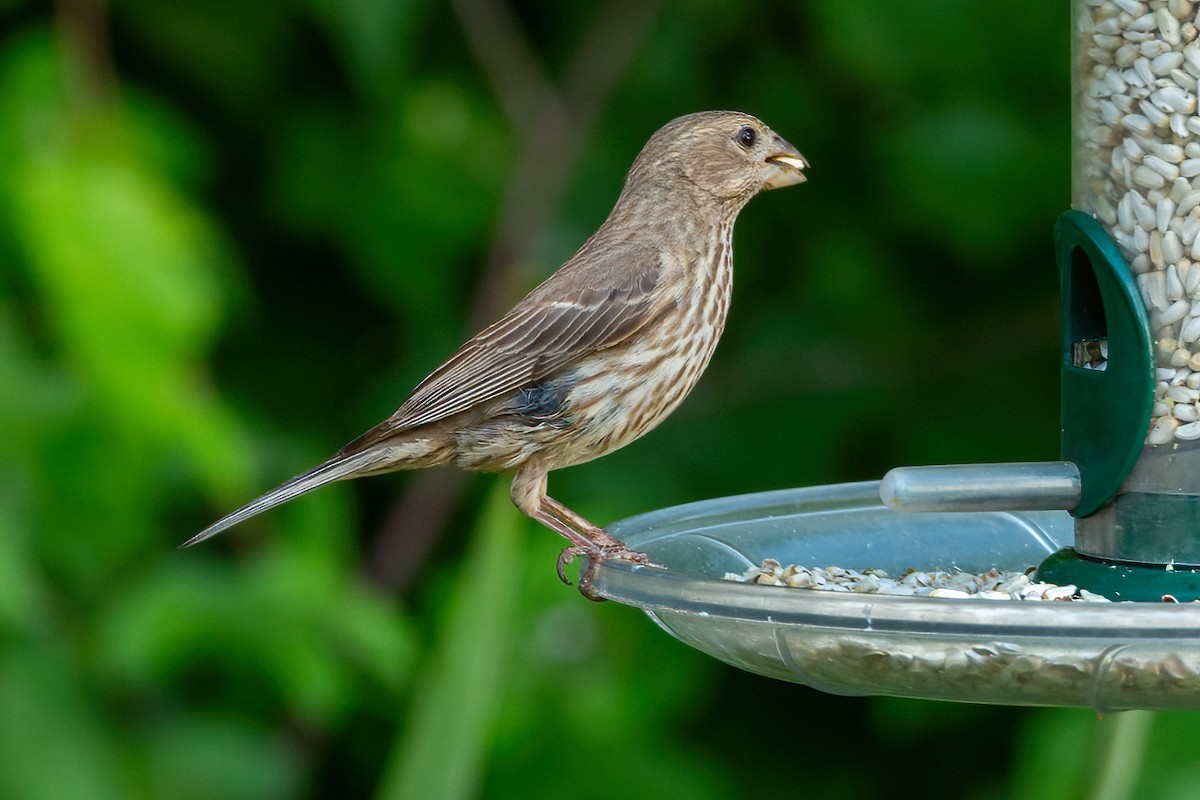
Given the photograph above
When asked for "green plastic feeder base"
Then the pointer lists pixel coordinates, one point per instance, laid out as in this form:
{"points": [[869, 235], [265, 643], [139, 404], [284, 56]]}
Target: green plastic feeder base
{"points": [[1121, 581], [1105, 409]]}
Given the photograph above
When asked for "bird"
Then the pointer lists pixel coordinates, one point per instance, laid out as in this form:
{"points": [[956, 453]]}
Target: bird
{"points": [[596, 355]]}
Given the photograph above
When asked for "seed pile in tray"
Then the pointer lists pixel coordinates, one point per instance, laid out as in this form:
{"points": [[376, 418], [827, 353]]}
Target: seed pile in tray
{"points": [[990, 585]]}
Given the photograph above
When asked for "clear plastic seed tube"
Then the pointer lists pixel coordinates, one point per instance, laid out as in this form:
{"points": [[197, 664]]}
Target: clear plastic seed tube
{"points": [[1137, 169]]}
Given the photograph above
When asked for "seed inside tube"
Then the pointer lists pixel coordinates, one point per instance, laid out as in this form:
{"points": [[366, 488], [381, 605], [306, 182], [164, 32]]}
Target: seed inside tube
{"points": [[1169, 152], [1164, 168], [1179, 124], [1143, 71], [1172, 248], [1188, 432], [1174, 286], [1169, 316], [1153, 114], [1182, 394], [1173, 98], [1139, 124], [1189, 273], [1145, 22], [1148, 178], [1164, 212]]}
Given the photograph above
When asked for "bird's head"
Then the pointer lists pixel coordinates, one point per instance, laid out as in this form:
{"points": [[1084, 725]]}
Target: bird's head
{"points": [[725, 154]]}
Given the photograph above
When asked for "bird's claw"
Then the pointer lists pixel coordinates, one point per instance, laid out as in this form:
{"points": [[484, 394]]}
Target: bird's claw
{"points": [[597, 553]]}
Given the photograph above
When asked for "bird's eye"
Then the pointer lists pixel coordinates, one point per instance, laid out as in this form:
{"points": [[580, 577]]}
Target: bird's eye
{"points": [[746, 137]]}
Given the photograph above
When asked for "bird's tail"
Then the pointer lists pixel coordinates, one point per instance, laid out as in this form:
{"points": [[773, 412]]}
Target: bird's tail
{"points": [[343, 465]]}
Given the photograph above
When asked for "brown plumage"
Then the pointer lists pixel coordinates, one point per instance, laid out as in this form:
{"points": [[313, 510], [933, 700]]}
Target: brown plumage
{"points": [[599, 353]]}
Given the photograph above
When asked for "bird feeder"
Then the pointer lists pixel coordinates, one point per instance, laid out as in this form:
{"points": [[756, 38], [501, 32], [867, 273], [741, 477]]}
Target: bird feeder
{"points": [[1117, 517]]}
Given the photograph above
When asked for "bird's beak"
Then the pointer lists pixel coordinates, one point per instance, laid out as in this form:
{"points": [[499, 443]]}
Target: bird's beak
{"points": [[787, 167]]}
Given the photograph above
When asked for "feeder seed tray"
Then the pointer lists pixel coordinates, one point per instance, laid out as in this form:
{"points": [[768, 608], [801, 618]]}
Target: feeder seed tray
{"points": [[1107, 656]]}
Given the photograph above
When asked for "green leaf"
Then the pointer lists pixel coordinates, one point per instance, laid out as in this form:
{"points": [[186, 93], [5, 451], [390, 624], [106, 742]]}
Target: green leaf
{"points": [[53, 743], [219, 754], [442, 753], [126, 265]]}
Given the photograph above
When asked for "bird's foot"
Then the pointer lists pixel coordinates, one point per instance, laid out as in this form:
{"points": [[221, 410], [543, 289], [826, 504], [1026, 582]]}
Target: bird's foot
{"points": [[596, 553]]}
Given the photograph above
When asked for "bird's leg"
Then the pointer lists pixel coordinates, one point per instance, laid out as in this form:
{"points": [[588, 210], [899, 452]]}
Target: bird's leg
{"points": [[529, 495], [594, 533]]}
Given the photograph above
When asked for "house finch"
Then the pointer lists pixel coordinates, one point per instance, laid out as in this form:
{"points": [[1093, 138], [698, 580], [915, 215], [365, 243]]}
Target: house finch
{"points": [[599, 353]]}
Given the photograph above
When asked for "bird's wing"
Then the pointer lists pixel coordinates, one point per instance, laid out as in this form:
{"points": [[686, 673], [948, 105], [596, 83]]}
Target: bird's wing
{"points": [[535, 339]]}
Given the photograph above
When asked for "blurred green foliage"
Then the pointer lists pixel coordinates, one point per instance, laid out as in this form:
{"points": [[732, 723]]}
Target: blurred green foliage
{"points": [[233, 235]]}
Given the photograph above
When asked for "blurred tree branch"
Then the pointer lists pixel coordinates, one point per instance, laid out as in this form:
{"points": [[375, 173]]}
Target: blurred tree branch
{"points": [[552, 124], [82, 30]]}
